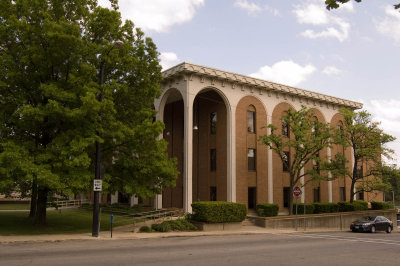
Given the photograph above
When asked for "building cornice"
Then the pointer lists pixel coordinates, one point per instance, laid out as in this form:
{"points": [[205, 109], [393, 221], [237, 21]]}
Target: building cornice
{"points": [[268, 86]]}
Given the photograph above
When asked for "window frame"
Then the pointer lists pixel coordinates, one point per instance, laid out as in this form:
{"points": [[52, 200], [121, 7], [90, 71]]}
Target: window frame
{"points": [[254, 164]]}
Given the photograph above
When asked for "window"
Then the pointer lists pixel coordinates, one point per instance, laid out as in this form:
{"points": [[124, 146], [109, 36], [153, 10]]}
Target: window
{"points": [[213, 123], [251, 159], [359, 171], [213, 160], [317, 191], [286, 161], [252, 198], [251, 121], [285, 129], [286, 197], [213, 193], [360, 195], [342, 194], [316, 164]]}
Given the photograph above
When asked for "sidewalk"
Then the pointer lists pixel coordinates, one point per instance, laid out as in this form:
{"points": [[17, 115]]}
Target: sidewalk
{"points": [[125, 232]]}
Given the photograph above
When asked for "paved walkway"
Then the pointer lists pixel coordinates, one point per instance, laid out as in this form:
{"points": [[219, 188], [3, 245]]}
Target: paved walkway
{"points": [[127, 232]]}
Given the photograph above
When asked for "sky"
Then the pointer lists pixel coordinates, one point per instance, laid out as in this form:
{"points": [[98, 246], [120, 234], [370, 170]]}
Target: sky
{"points": [[352, 52]]}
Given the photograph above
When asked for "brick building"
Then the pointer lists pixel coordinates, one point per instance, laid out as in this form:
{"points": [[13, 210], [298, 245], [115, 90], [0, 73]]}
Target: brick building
{"points": [[213, 120]]}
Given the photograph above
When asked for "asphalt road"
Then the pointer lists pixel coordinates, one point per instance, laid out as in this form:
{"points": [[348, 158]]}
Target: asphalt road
{"points": [[333, 248]]}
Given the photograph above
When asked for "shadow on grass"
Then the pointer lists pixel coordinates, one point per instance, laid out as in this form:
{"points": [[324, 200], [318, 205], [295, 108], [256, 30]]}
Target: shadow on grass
{"points": [[58, 222]]}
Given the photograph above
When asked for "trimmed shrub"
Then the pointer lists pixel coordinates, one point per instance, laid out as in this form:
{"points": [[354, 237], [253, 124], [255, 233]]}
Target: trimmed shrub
{"points": [[145, 229], [218, 211], [267, 210], [325, 207], [345, 206], [380, 205], [300, 208], [162, 227], [360, 205], [174, 225]]}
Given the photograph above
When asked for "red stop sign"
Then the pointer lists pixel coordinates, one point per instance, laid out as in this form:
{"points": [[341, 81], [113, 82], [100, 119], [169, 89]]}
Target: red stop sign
{"points": [[297, 191]]}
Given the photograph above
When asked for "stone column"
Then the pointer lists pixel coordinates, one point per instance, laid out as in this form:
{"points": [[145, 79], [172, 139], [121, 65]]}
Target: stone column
{"points": [[114, 197], [303, 194], [329, 154], [270, 169], [158, 201], [188, 152], [133, 200], [231, 153]]}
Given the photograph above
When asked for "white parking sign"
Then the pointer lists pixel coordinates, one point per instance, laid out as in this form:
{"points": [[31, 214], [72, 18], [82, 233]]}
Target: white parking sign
{"points": [[97, 184]]}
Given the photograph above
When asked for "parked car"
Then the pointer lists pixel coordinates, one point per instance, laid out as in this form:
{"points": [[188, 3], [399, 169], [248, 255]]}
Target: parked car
{"points": [[372, 224]]}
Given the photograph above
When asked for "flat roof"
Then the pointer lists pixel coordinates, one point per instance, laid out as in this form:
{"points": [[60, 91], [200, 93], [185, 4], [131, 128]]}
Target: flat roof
{"points": [[186, 67]]}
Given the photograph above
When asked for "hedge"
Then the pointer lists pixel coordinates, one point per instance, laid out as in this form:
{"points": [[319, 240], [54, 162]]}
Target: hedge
{"points": [[218, 211], [380, 205], [325, 207], [174, 225], [267, 210], [345, 206], [300, 208], [360, 205]]}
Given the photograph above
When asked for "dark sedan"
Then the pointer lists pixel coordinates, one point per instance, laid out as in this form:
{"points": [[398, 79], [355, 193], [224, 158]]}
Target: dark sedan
{"points": [[372, 224]]}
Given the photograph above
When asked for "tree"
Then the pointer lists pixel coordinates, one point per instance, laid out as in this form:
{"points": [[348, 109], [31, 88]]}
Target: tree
{"points": [[333, 4], [72, 74], [308, 137], [367, 142], [391, 177]]}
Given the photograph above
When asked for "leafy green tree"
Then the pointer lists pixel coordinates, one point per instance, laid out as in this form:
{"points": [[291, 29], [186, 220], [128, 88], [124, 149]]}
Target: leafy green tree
{"points": [[368, 144], [333, 4], [391, 177], [72, 75], [308, 137]]}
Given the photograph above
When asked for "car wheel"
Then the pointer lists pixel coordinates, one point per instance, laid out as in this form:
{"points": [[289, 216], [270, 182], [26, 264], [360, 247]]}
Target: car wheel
{"points": [[373, 230], [389, 229]]}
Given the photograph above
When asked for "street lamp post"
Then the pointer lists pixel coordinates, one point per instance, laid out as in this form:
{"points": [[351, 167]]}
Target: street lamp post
{"points": [[98, 175]]}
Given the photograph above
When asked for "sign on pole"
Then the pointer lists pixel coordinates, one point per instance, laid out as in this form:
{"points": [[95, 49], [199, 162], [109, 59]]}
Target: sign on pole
{"points": [[97, 184], [297, 191]]}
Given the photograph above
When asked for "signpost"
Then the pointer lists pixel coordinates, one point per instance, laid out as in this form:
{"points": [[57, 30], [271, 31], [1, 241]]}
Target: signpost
{"points": [[97, 185], [297, 193], [112, 219]]}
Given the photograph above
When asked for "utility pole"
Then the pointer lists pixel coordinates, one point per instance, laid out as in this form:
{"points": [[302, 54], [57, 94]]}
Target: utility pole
{"points": [[99, 172]]}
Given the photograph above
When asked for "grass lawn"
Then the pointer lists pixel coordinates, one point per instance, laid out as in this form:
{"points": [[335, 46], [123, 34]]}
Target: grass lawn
{"points": [[58, 222], [16, 206]]}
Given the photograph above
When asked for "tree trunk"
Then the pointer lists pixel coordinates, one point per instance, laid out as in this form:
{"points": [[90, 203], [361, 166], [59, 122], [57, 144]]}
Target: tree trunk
{"points": [[34, 195], [352, 193], [40, 217], [291, 196]]}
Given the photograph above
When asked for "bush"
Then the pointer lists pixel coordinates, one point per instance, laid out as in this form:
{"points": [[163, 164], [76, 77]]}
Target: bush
{"points": [[345, 206], [145, 229], [300, 208], [360, 205], [267, 210], [218, 211], [174, 225], [162, 227], [380, 205], [325, 207]]}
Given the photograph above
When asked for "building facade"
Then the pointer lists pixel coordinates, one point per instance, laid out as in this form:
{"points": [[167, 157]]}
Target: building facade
{"points": [[213, 122]]}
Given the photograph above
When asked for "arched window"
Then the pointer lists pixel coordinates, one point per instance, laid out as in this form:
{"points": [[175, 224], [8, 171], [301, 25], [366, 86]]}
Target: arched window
{"points": [[285, 129], [251, 119]]}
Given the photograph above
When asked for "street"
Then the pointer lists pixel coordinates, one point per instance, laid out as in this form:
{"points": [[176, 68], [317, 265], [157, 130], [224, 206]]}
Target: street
{"points": [[330, 248]]}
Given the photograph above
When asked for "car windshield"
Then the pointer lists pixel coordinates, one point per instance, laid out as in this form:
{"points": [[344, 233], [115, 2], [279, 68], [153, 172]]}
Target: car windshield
{"points": [[370, 218]]}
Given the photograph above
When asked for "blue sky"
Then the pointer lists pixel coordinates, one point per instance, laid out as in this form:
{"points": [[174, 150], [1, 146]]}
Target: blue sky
{"points": [[352, 52]]}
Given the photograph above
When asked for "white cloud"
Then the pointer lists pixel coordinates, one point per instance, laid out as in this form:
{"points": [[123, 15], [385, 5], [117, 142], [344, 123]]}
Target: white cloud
{"points": [[285, 72], [331, 70], [168, 59], [314, 12], [157, 15], [251, 8], [390, 25], [388, 113], [254, 9]]}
